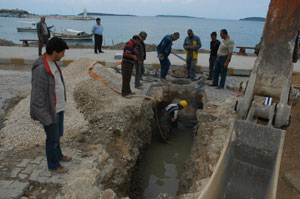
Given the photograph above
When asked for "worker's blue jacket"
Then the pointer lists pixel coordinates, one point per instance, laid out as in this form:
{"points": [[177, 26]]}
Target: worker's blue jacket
{"points": [[165, 45]]}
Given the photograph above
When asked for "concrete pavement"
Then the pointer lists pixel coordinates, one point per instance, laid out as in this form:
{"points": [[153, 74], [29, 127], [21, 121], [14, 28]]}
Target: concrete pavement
{"points": [[240, 65]]}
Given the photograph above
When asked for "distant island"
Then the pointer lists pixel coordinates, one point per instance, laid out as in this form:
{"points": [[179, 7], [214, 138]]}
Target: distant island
{"points": [[14, 13], [105, 14], [176, 16], [253, 19]]}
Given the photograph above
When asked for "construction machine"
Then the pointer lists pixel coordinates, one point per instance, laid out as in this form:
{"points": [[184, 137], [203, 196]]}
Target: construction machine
{"points": [[249, 163]]}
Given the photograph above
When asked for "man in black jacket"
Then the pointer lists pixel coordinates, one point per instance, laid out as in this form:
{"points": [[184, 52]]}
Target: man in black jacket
{"points": [[214, 46], [43, 33]]}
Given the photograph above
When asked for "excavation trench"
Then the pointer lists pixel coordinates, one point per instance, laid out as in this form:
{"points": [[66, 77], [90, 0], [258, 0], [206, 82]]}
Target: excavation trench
{"points": [[123, 138], [160, 165]]}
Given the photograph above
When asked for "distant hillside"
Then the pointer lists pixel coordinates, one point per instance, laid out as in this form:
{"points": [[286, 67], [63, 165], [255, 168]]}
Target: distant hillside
{"points": [[13, 13], [175, 16], [253, 19], [105, 14]]}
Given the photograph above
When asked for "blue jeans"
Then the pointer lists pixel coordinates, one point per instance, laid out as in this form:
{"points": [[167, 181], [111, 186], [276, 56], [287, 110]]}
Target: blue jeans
{"points": [[190, 63], [220, 69], [53, 134], [212, 63], [164, 67]]}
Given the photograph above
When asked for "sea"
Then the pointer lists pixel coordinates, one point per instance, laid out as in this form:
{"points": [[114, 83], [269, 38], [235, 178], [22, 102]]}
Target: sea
{"points": [[121, 28]]}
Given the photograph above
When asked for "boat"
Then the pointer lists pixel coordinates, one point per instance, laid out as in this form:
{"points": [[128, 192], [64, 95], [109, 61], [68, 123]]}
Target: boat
{"points": [[70, 34], [31, 28]]}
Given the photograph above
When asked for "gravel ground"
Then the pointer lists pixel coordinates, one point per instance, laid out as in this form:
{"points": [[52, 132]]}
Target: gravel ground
{"points": [[14, 86], [21, 132]]}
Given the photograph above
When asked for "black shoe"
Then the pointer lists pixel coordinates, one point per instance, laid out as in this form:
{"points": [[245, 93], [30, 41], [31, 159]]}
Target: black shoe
{"points": [[188, 77], [213, 85], [219, 87], [209, 78], [126, 96], [96, 53], [101, 51]]}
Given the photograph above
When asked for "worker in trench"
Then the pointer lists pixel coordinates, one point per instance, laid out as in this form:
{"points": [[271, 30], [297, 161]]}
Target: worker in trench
{"points": [[169, 116]]}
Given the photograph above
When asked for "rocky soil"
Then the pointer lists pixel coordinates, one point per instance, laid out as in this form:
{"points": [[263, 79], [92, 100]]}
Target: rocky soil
{"points": [[214, 122], [105, 133], [119, 129], [291, 152]]}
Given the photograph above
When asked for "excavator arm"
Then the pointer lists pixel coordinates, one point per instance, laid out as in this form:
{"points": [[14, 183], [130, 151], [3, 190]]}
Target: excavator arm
{"points": [[249, 164]]}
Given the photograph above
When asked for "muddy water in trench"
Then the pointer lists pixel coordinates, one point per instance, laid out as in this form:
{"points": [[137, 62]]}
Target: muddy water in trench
{"points": [[161, 166]]}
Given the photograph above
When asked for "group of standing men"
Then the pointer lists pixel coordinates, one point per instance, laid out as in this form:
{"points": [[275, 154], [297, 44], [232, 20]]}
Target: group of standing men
{"points": [[220, 55], [134, 53], [191, 44]]}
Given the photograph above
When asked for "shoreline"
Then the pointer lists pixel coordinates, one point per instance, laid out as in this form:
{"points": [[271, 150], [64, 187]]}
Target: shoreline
{"points": [[118, 46]]}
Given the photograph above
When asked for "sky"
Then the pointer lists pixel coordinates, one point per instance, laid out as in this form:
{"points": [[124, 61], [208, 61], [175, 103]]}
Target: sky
{"points": [[215, 9]]}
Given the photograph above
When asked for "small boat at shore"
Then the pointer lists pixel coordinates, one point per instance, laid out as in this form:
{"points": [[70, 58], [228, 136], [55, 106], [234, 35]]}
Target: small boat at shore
{"points": [[70, 34], [31, 28]]}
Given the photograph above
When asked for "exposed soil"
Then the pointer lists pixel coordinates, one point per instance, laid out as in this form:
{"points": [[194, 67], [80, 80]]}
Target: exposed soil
{"points": [[296, 79], [291, 151], [42, 191]]}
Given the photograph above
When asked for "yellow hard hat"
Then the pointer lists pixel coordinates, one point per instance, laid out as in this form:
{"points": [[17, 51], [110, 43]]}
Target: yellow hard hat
{"points": [[183, 103]]}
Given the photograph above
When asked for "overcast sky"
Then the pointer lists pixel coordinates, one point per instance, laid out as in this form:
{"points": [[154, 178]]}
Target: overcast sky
{"points": [[217, 9]]}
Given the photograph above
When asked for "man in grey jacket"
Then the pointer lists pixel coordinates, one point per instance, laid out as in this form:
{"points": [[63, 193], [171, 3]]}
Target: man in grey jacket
{"points": [[48, 101], [43, 33], [191, 44]]}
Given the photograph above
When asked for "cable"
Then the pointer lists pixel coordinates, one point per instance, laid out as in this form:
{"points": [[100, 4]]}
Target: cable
{"points": [[196, 94], [179, 56], [97, 77]]}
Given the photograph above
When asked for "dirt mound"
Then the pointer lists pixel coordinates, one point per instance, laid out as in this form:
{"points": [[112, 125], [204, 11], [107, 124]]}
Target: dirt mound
{"points": [[291, 151]]}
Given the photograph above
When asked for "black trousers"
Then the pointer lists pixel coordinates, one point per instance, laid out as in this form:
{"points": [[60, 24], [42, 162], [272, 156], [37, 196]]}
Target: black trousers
{"points": [[42, 43], [98, 42], [126, 77]]}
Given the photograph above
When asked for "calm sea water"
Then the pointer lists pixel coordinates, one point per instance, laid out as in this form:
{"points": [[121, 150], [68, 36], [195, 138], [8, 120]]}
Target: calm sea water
{"points": [[120, 29]]}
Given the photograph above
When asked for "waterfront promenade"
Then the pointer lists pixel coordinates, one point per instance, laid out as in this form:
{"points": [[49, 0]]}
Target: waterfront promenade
{"points": [[239, 65]]}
